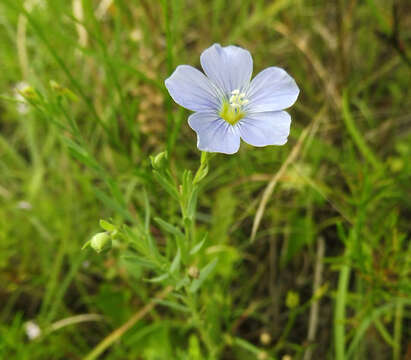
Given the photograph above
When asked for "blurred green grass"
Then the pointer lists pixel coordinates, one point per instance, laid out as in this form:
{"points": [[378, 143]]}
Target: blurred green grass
{"points": [[338, 218]]}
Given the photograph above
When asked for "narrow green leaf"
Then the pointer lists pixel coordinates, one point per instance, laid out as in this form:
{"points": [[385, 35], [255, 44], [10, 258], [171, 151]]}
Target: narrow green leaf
{"points": [[187, 182], [173, 305], [81, 154], [192, 204], [175, 266], [205, 272], [166, 184], [147, 211], [86, 245], [183, 282], [168, 227], [105, 225], [114, 205], [199, 246], [202, 170], [158, 278], [152, 246], [139, 260]]}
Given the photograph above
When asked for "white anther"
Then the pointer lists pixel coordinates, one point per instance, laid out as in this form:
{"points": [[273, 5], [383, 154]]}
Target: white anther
{"points": [[237, 99]]}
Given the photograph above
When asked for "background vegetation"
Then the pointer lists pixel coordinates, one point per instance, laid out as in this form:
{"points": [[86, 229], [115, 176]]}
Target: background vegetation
{"points": [[326, 272]]}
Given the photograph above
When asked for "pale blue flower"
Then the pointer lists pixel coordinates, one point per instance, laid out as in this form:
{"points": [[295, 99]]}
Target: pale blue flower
{"points": [[228, 106]]}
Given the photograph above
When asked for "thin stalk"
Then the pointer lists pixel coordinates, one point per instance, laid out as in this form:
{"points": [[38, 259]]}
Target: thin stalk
{"points": [[398, 331], [202, 170], [200, 325], [170, 64], [339, 315], [169, 35]]}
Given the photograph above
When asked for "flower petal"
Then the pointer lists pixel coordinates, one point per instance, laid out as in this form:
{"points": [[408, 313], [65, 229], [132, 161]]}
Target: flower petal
{"points": [[191, 89], [266, 128], [214, 134], [229, 67], [272, 90]]}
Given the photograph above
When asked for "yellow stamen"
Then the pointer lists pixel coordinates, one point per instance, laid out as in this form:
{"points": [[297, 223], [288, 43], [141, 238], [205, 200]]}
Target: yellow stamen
{"points": [[231, 114], [231, 111]]}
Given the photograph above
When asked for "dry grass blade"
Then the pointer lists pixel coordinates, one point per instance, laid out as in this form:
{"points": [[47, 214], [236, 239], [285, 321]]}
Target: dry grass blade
{"points": [[21, 46], [79, 15], [271, 185], [315, 306], [103, 8], [75, 320]]}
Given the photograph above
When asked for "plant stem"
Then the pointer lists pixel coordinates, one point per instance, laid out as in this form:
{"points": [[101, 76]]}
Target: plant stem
{"points": [[200, 325], [339, 315], [397, 331], [202, 170]]}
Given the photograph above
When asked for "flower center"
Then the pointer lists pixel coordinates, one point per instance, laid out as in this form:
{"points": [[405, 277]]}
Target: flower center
{"points": [[231, 111]]}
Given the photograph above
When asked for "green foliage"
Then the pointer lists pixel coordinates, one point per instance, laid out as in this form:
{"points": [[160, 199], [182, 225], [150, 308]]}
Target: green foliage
{"points": [[88, 132]]}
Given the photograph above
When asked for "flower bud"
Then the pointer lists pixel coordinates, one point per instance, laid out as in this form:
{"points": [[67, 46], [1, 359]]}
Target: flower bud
{"points": [[56, 87], [321, 291], [262, 355], [265, 338], [228, 339], [33, 331], [29, 93], [159, 161], [193, 272], [292, 300], [62, 91], [101, 242]]}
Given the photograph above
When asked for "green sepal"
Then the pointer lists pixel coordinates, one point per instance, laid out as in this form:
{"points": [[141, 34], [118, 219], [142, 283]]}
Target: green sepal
{"points": [[105, 225]]}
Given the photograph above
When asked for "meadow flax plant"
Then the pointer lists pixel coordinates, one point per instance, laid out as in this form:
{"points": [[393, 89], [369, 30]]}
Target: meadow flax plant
{"points": [[227, 107]]}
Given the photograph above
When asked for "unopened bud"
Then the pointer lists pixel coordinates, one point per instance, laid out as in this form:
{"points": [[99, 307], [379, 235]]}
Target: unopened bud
{"points": [[28, 93], [33, 331], [100, 242], [62, 91], [159, 161], [320, 292], [193, 272], [262, 356], [292, 300], [228, 339], [265, 338], [56, 86]]}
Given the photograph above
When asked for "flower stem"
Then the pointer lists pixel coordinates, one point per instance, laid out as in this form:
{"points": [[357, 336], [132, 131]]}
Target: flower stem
{"points": [[339, 316], [203, 169], [398, 330]]}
